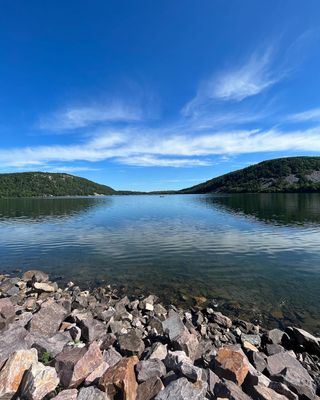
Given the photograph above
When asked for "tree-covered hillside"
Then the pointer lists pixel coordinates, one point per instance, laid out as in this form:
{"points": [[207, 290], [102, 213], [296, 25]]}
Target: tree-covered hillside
{"points": [[292, 174], [35, 184]]}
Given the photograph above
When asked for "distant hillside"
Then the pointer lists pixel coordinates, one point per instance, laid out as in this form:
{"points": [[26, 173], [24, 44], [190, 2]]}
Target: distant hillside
{"points": [[35, 184], [292, 174]]}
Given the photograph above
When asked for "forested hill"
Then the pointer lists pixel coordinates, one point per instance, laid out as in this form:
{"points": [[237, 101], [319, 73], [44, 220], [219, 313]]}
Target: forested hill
{"points": [[35, 184], [292, 174]]}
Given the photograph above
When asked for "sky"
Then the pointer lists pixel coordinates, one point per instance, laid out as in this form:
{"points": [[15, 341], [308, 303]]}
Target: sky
{"points": [[157, 94]]}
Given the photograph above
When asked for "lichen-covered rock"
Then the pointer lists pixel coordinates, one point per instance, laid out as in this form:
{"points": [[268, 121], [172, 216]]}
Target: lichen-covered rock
{"points": [[11, 374], [121, 377], [231, 363], [182, 389], [75, 364], [37, 382]]}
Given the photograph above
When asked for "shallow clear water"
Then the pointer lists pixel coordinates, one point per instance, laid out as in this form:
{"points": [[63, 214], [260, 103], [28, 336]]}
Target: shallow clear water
{"points": [[257, 255]]}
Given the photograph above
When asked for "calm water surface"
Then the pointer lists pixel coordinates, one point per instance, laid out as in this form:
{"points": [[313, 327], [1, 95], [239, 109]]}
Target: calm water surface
{"points": [[257, 255]]}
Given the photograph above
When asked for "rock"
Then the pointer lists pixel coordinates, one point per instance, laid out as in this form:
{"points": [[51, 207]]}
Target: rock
{"points": [[212, 380], [254, 340], [150, 368], [231, 363], [248, 346], [265, 393], [92, 393], [97, 373], [7, 313], [180, 363], [121, 377], [275, 336], [272, 349], [37, 382], [221, 319], [11, 374], [68, 394], [92, 329], [173, 326], [159, 351], [45, 287], [131, 343], [259, 360], [149, 389], [229, 390], [47, 320], [35, 276], [75, 364], [187, 342], [111, 356], [284, 368], [52, 345], [308, 341], [11, 340], [283, 389], [182, 389]]}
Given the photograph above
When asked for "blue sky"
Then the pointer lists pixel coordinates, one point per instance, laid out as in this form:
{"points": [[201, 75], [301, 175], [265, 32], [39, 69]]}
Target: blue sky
{"points": [[157, 94]]}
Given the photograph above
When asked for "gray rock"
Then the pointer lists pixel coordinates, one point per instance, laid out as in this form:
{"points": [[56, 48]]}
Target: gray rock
{"points": [[272, 349], [92, 393], [265, 393], [259, 360], [275, 336], [284, 368], [68, 394], [149, 389], [52, 345], [229, 390], [180, 363], [255, 340], [11, 340], [283, 389], [308, 341], [47, 320], [111, 356], [92, 329], [221, 319], [149, 369], [187, 342], [173, 326], [212, 380], [7, 313], [131, 343], [159, 351], [182, 389]]}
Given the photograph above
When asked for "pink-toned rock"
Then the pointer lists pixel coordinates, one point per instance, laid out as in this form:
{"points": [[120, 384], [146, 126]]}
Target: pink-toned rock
{"points": [[12, 373], [68, 394], [121, 377], [35, 276], [149, 389], [265, 393], [232, 364], [75, 364], [97, 373], [38, 381]]}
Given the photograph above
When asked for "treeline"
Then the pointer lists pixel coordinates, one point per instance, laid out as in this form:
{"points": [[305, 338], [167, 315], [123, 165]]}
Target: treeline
{"points": [[40, 184]]}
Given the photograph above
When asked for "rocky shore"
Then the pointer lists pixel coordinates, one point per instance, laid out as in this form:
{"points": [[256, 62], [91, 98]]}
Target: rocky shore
{"points": [[68, 344]]}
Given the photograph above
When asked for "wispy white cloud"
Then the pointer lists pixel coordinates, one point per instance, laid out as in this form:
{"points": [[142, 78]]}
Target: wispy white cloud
{"points": [[152, 161], [81, 117], [308, 115]]}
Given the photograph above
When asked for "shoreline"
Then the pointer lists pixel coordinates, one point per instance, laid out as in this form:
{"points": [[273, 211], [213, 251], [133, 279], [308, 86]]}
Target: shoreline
{"points": [[67, 343]]}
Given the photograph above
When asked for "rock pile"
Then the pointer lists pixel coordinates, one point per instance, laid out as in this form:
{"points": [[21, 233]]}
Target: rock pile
{"points": [[68, 344]]}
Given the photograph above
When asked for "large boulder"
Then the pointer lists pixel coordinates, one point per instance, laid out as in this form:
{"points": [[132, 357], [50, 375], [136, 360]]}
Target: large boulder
{"points": [[37, 382], [131, 343], [75, 364], [305, 339], [231, 363], [173, 325], [182, 389], [121, 378], [47, 320], [13, 339], [11, 374]]}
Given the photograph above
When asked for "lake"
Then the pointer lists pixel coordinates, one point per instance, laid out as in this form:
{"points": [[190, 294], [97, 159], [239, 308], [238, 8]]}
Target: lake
{"points": [[256, 255]]}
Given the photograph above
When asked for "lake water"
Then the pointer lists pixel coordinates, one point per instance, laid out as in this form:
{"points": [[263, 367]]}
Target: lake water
{"points": [[258, 256]]}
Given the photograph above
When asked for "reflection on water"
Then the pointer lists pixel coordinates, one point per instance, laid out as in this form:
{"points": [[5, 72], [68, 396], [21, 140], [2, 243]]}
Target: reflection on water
{"points": [[257, 254]]}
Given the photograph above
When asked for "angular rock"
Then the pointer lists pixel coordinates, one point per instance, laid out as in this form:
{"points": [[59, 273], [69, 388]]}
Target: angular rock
{"points": [[45, 287], [131, 343], [231, 363], [52, 345], [11, 374], [275, 336], [173, 326], [265, 393], [92, 329], [121, 377], [308, 341], [7, 313], [188, 343], [47, 320], [35, 276], [272, 349], [283, 389], [75, 364], [68, 394], [180, 363], [159, 351], [255, 340], [149, 389], [96, 374], [37, 382], [212, 380], [11, 340], [229, 390], [182, 389], [221, 319], [92, 393], [111, 356], [149, 369]]}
